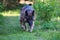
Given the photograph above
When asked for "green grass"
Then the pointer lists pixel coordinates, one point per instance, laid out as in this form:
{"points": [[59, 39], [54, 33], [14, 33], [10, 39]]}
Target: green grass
{"points": [[11, 29]]}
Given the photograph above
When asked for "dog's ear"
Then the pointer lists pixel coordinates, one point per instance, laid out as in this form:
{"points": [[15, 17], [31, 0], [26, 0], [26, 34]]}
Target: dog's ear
{"points": [[33, 13], [26, 13]]}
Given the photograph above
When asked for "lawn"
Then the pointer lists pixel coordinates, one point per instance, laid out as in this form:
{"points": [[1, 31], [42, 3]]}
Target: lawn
{"points": [[11, 29]]}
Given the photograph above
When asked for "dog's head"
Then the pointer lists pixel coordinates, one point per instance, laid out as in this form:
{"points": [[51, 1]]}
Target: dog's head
{"points": [[29, 13]]}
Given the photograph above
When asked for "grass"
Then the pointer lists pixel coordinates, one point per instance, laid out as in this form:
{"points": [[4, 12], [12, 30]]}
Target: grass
{"points": [[11, 29]]}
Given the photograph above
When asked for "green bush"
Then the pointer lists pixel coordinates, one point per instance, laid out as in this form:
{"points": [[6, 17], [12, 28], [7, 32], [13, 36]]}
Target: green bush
{"points": [[52, 25], [1, 7], [44, 11], [48, 25]]}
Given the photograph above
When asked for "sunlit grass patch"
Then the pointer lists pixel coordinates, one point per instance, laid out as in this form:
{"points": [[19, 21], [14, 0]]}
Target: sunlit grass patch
{"points": [[5, 14], [11, 13]]}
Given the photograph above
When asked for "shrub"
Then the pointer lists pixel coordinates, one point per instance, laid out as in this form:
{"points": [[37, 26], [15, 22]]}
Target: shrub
{"points": [[1, 7], [48, 25], [44, 11]]}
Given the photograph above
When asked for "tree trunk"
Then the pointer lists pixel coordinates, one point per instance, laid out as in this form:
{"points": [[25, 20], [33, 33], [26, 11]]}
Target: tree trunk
{"points": [[5, 2]]}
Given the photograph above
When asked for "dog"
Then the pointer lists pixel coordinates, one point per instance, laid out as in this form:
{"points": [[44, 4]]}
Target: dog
{"points": [[27, 15]]}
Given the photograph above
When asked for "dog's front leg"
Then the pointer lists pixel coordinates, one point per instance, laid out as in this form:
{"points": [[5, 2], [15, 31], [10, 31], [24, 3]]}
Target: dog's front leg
{"points": [[32, 26]]}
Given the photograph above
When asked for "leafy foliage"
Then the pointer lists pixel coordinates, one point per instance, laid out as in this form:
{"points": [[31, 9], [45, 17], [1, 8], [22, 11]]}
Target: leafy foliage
{"points": [[44, 11], [1, 7]]}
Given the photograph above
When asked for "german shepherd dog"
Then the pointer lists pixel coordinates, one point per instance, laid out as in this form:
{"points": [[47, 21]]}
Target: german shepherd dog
{"points": [[27, 15]]}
